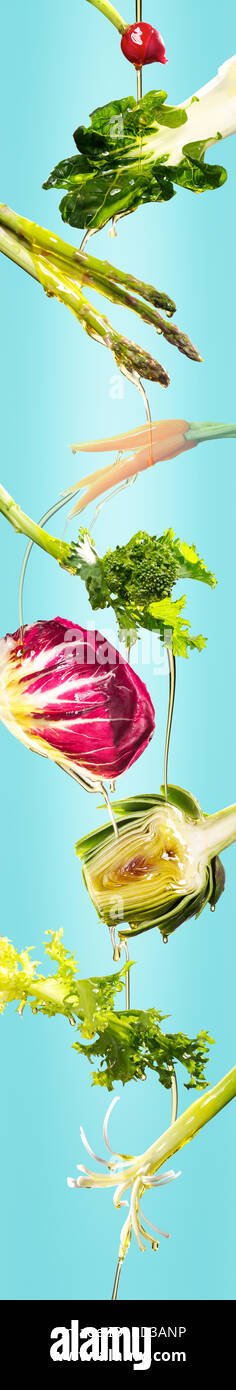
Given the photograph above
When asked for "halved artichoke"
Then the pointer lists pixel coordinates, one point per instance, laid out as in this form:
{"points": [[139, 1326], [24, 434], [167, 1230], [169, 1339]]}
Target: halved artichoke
{"points": [[162, 868]]}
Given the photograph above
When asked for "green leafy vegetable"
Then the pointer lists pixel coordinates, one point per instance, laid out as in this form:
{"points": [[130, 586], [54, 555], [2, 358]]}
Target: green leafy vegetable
{"points": [[89, 1000], [135, 152], [132, 1042], [126, 1042], [136, 580]]}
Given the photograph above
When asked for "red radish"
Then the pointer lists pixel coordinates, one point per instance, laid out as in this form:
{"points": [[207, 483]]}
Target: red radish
{"points": [[142, 44]]}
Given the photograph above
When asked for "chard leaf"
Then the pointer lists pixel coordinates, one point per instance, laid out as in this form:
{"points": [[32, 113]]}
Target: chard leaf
{"points": [[123, 160], [194, 174], [93, 201]]}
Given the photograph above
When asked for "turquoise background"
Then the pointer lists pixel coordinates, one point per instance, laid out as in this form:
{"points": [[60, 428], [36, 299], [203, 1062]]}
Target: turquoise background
{"points": [[58, 62]]}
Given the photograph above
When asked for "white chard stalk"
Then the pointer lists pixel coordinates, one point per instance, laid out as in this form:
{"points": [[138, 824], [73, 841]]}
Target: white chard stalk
{"points": [[211, 116]]}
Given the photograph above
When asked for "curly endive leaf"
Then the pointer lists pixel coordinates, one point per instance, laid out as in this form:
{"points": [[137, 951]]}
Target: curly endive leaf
{"points": [[126, 1042], [63, 992], [133, 1042]]}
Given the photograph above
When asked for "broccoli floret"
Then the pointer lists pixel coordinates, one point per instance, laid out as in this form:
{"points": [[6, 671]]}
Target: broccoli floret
{"points": [[136, 580], [142, 571]]}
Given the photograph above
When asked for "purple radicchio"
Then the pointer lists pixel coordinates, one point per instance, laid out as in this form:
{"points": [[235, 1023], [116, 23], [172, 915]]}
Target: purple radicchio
{"points": [[68, 694]]}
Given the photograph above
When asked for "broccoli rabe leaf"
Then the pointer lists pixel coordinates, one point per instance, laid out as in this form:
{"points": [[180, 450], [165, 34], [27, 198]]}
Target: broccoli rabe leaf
{"points": [[126, 1043], [137, 579], [188, 562], [165, 617], [130, 155]]}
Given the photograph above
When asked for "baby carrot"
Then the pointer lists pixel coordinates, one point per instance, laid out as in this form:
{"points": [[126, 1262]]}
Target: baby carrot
{"points": [[150, 444], [104, 479], [158, 429]]}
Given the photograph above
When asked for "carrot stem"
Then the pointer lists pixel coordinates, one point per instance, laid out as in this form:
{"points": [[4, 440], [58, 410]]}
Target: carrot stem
{"points": [[204, 430]]}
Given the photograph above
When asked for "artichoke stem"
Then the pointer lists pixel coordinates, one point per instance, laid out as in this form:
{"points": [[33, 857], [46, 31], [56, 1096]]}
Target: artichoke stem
{"points": [[216, 832]]}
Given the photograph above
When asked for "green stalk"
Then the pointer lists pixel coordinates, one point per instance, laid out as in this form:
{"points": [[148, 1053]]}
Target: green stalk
{"points": [[192, 1120], [216, 832], [156, 297], [36, 236], [17, 250], [180, 1133], [105, 283], [62, 270], [199, 432], [48, 260], [65, 554], [37, 258], [110, 13]]}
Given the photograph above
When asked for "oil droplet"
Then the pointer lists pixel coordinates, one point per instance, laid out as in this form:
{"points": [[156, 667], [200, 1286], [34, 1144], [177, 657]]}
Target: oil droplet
{"points": [[116, 953]]}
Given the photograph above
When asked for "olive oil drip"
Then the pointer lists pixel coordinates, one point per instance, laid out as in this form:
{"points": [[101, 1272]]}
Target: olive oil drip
{"points": [[174, 1088], [174, 1113], [91, 230], [81, 780], [171, 659], [172, 688], [139, 72]]}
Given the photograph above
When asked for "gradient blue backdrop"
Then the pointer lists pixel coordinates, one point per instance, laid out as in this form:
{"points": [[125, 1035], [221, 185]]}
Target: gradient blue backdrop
{"points": [[58, 62]]}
